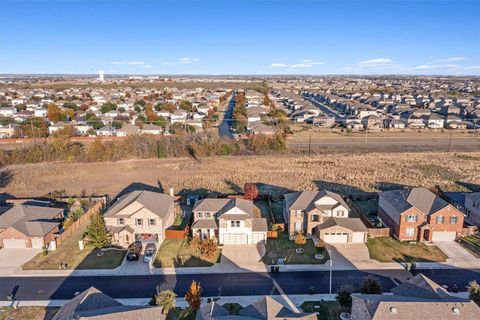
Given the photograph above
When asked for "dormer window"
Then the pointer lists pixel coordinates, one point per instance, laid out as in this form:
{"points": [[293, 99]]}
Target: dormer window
{"points": [[121, 221]]}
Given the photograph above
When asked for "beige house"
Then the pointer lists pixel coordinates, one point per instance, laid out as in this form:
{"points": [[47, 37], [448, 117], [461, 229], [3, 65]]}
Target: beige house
{"points": [[140, 215], [230, 221], [322, 214]]}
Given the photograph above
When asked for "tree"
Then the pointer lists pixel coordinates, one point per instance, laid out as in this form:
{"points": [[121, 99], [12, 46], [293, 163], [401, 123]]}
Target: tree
{"points": [[344, 296], [97, 233], [300, 239], [53, 113], [194, 295], [151, 116], [165, 299], [474, 291], [371, 285], [208, 248], [34, 128], [250, 191]]}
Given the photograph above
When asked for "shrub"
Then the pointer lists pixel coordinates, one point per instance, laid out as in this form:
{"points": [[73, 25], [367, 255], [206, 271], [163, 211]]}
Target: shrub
{"points": [[250, 191], [194, 295], [371, 285], [300, 239], [344, 296]]}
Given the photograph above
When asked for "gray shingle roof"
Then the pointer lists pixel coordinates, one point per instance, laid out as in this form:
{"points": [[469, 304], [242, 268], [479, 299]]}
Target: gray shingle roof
{"points": [[94, 304], [31, 220], [224, 205], [156, 202], [205, 224], [267, 308], [353, 224], [305, 200]]}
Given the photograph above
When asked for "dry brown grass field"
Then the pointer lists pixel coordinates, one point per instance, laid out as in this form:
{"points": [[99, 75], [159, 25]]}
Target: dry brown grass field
{"points": [[340, 172]]}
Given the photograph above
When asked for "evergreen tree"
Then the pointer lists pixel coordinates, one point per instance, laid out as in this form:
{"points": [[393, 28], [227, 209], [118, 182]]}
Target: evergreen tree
{"points": [[166, 299], [97, 233], [194, 295]]}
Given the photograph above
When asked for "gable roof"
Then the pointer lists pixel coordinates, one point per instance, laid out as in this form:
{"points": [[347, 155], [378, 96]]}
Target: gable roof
{"points": [[267, 308], [155, 202], [421, 287], [304, 200], [31, 220], [94, 304], [224, 205], [353, 224]]}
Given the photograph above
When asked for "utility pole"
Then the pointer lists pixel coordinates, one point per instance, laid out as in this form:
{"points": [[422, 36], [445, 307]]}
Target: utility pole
{"points": [[331, 266], [366, 135], [449, 142], [309, 145]]}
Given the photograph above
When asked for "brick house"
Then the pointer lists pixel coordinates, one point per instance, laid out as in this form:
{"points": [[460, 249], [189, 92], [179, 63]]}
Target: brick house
{"points": [[30, 225], [419, 215], [140, 215]]}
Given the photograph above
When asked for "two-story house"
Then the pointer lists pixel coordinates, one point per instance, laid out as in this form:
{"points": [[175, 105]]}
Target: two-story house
{"points": [[322, 214], [140, 215], [472, 207], [230, 221], [419, 215]]}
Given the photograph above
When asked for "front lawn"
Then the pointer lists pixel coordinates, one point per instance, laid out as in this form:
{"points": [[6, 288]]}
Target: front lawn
{"points": [[178, 253], [283, 247], [68, 252], [388, 249], [472, 244], [28, 313], [327, 310]]}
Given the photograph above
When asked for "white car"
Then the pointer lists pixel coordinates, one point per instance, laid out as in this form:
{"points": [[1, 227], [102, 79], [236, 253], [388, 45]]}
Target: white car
{"points": [[150, 252]]}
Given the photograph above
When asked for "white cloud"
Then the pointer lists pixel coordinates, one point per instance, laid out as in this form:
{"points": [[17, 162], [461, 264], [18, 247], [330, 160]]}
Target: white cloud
{"points": [[451, 59], [376, 63], [147, 66], [279, 65], [188, 60], [134, 63], [305, 63], [473, 67], [436, 66]]}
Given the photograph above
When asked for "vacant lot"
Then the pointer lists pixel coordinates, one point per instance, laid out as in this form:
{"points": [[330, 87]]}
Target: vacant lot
{"points": [[336, 172], [28, 313]]}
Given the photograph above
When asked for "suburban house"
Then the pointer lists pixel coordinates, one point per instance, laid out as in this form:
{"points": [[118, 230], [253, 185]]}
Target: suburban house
{"points": [[419, 215], [472, 207], [417, 298], [140, 215], [231, 221], [30, 225], [322, 214], [266, 308], [94, 304]]}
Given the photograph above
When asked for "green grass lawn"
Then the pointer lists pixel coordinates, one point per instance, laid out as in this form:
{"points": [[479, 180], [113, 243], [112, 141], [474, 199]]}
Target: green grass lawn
{"points": [[68, 252], [388, 249], [178, 253], [181, 314], [277, 211], [327, 310], [180, 223], [472, 244], [283, 247]]}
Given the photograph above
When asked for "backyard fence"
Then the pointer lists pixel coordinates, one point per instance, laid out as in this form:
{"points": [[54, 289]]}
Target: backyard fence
{"points": [[85, 217], [272, 234], [176, 234], [378, 232]]}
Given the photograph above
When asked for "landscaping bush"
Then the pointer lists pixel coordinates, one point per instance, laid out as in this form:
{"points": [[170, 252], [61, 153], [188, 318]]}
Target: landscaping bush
{"points": [[344, 296], [371, 285]]}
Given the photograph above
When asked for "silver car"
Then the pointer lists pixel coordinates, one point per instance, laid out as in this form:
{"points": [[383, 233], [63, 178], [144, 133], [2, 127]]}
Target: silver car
{"points": [[150, 252]]}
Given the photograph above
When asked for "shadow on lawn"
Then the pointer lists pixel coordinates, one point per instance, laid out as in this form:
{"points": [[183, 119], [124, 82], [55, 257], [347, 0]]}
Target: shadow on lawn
{"points": [[342, 189], [470, 186], [387, 186], [136, 186]]}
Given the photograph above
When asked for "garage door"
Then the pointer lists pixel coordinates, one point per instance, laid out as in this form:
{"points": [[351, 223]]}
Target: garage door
{"points": [[257, 237], [37, 243], [335, 237], [14, 243], [358, 237], [235, 238], [444, 236]]}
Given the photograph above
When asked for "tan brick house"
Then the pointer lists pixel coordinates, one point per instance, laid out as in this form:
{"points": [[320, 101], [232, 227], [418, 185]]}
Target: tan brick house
{"points": [[140, 215], [419, 215], [30, 225]]}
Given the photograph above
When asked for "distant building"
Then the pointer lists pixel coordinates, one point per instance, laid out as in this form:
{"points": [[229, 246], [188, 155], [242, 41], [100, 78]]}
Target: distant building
{"points": [[101, 76]]}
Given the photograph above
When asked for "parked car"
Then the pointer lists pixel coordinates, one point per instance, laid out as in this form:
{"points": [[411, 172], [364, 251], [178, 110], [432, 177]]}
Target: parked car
{"points": [[150, 252], [134, 251]]}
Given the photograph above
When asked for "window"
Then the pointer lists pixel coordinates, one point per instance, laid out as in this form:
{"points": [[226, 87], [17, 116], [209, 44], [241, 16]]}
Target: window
{"points": [[298, 213], [453, 220], [315, 217], [237, 223], [440, 219], [340, 213], [410, 232], [121, 221], [412, 218], [232, 224], [199, 215], [208, 215], [298, 226], [139, 222], [151, 222]]}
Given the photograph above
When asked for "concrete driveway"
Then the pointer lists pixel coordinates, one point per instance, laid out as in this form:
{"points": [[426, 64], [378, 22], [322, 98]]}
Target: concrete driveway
{"points": [[455, 251], [12, 259], [348, 254], [242, 255]]}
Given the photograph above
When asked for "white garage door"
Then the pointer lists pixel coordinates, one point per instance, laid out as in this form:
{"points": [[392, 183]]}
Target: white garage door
{"points": [[335, 237], [358, 237], [37, 243], [257, 237], [443, 236], [235, 238], [14, 243]]}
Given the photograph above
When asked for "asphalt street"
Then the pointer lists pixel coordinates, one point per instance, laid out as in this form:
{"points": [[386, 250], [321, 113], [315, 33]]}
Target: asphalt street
{"points": [[241, 284]]}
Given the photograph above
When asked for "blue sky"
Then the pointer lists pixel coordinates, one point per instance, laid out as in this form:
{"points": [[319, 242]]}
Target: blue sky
{"points": [[240, 37]]}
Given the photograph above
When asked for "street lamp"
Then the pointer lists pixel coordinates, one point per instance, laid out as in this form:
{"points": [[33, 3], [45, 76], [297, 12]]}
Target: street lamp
{"points": [[331, 264]]}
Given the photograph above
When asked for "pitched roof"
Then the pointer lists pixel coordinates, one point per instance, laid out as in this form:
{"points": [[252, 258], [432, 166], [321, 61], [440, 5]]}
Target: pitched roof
{"points": [[267, 308], [31, 220], [156, 202], [94, 304], [421, 287], [353, 224], [224, 205], [304, 200]]}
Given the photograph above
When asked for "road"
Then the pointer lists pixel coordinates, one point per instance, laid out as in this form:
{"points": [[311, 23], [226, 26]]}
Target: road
{"points": [[327, 110], [224, 127], [240, 284]]}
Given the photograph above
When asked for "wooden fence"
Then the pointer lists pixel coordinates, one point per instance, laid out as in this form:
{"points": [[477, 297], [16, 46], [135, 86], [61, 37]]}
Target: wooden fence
{"points": [[74, 226], [176, 234], [272, 234], [373, 232]]}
